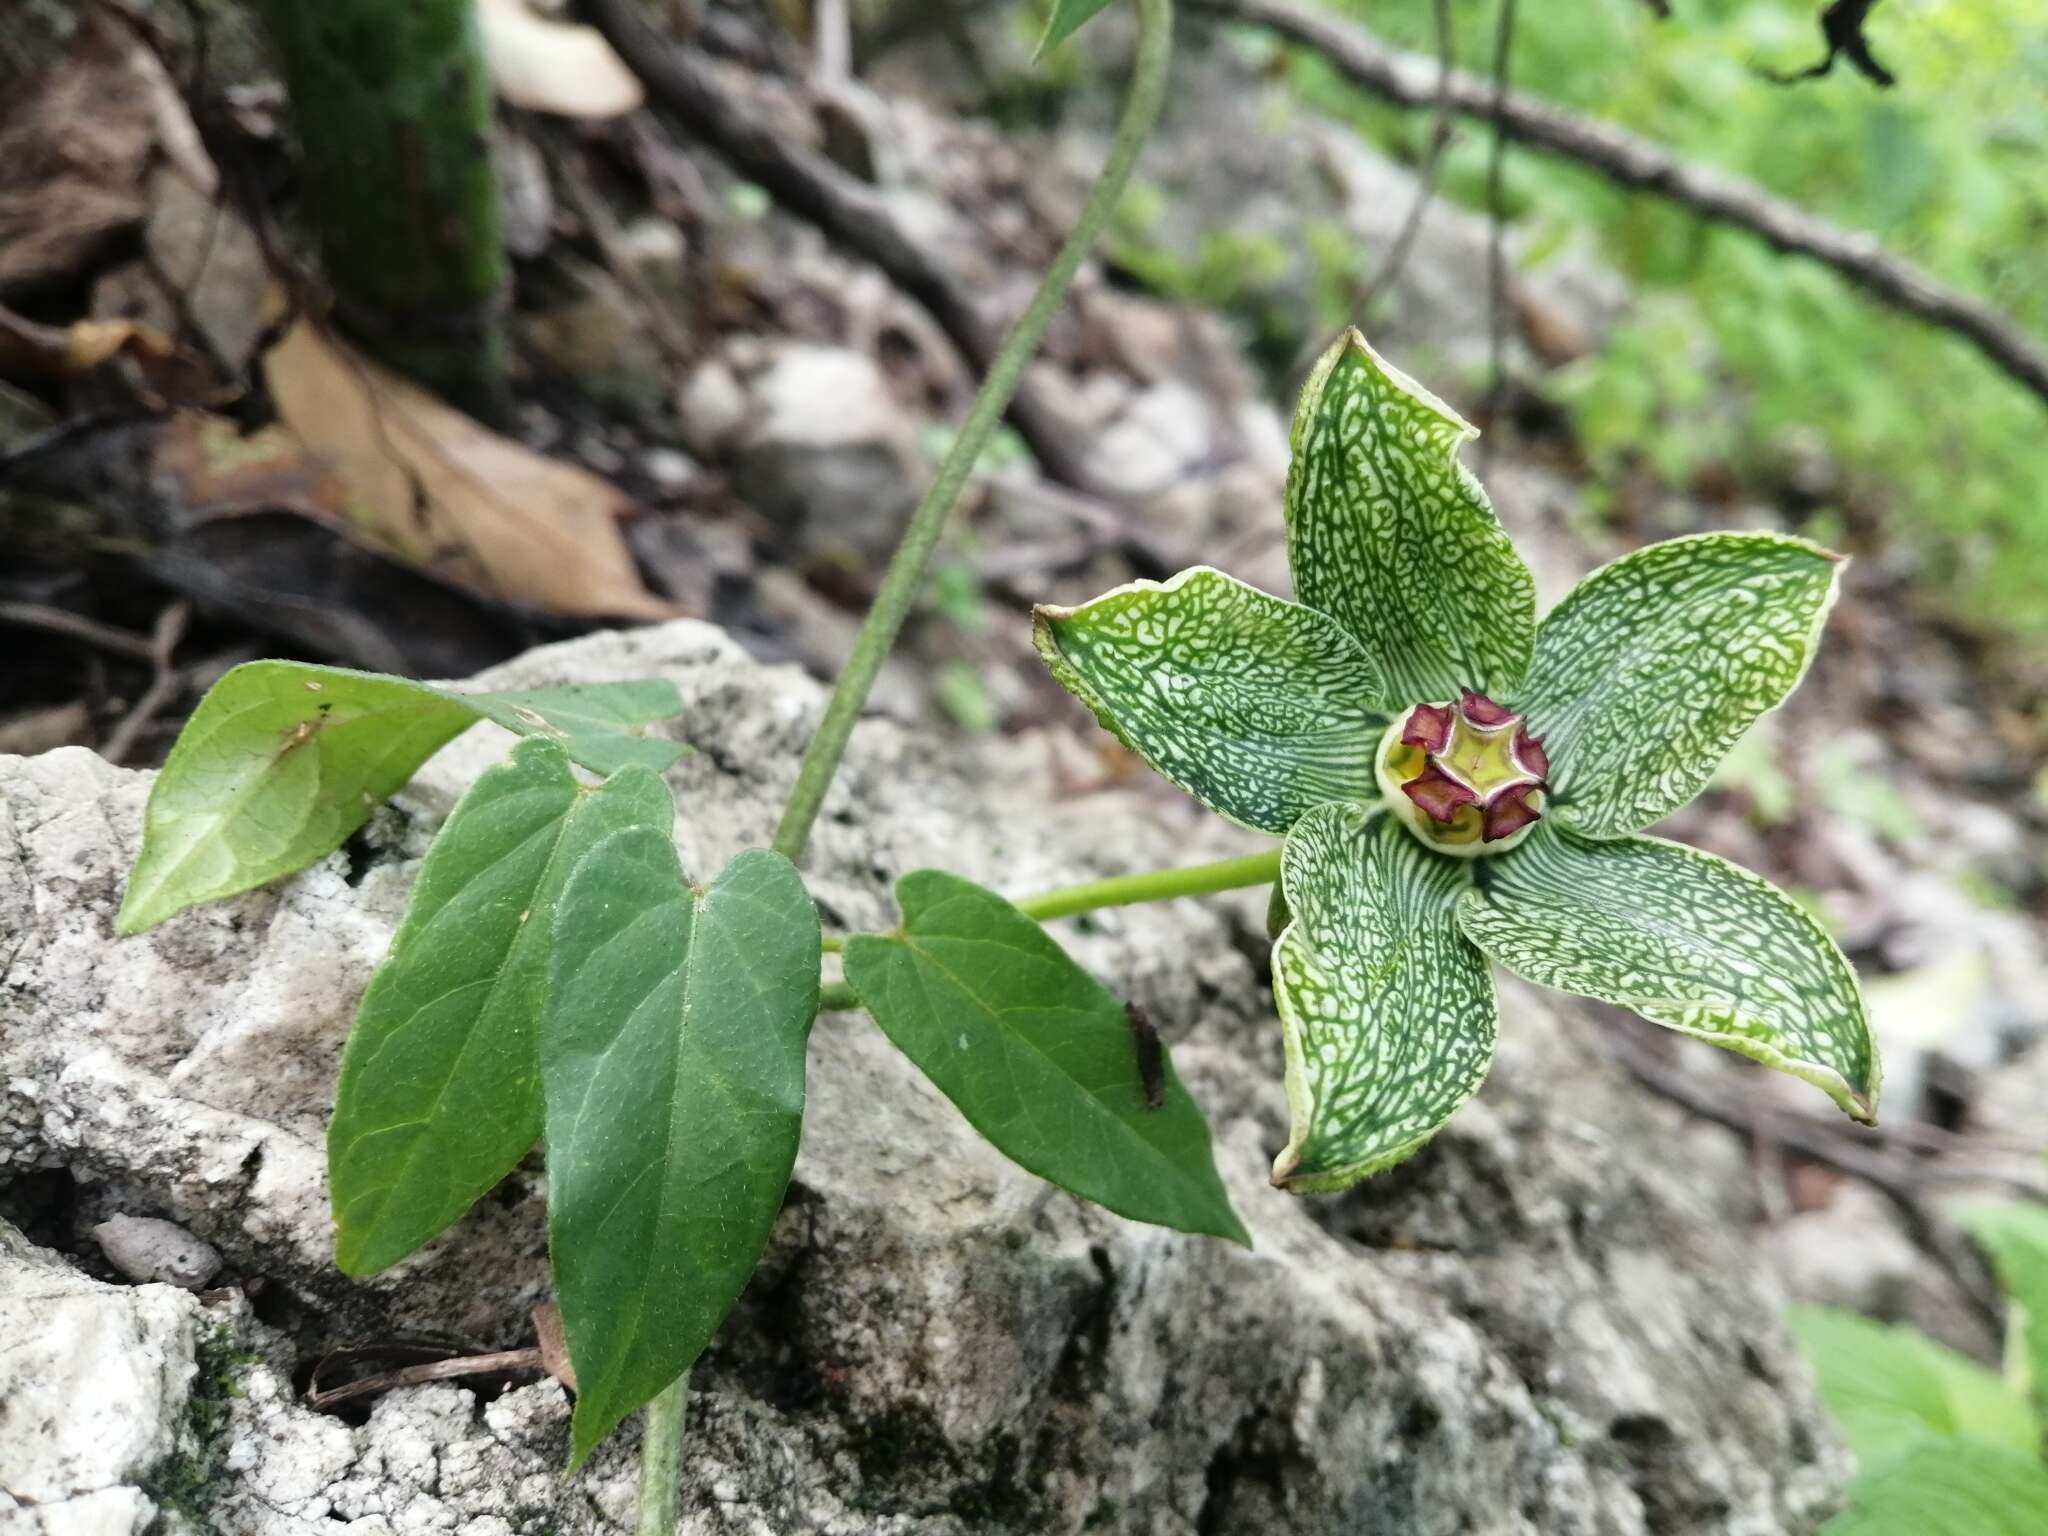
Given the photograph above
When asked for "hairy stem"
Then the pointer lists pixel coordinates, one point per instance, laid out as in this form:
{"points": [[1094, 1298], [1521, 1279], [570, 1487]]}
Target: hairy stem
{"points": [[906, 570], [1155, 885], [661, 1452]]}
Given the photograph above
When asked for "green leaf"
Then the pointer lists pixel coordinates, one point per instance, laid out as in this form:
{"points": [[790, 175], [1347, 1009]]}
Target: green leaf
{"points": [[1891, 1388], [439, 1095], [2015, 1234], [1688, 941], [1068, 17], [282, 761], [1651, 667], [1389, 534], [1386, 1012], [672, 1068], [1038, 1055], [1948, 1488], [277, 766], [595, 723], [1258, 707]]}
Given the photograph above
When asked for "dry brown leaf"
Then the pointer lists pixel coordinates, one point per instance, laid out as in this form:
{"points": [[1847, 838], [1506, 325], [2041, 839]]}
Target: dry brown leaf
{"points": [[32, 351], [445, 492], [554, 66], [73, 153], [215, 470]]}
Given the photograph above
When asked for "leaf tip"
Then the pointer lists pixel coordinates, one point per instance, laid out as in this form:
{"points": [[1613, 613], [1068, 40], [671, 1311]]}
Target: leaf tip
{"points": [[349, 1259], [142, 908]]}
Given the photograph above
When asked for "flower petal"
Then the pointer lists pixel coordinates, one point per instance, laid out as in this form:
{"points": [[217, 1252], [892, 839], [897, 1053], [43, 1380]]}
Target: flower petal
{"points": [[1652, 666], [1390, 534], [1439, 794], [1258, 707], [1429, 728], [1387, 1013], [1511, 812], [1688, 941]]}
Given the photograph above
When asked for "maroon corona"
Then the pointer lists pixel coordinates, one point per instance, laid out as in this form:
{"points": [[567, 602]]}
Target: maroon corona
{"points": [[1466, 776]]}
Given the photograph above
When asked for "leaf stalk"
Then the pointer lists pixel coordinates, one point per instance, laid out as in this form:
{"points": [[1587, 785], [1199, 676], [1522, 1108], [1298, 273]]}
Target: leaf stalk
{"points": [[1155, 885], [661, 1448], [1116, 891]]}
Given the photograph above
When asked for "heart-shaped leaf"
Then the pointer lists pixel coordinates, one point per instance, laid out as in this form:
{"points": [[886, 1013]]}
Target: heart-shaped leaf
{"points": [[439, 1095], [282, 761], [2015, 1234], [1039, 1056], [1948, 1488], [672, 1066]]}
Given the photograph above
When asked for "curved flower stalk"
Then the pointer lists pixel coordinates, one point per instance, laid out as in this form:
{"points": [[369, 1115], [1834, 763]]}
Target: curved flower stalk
{"points": [[1457, 783]]}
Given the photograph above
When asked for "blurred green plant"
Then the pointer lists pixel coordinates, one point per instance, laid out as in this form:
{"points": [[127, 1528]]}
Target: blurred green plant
{"points": [[1943, 1446], [1738, 356]]}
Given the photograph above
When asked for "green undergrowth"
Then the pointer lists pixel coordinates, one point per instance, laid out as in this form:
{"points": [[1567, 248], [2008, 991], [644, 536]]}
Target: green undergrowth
{"points": [[1738, 359]]}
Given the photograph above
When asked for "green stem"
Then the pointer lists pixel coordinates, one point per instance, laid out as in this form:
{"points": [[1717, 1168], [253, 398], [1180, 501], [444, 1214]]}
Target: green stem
{"points": [[1155, 885], [1117, 891], [661, 1454], [906, 570]]}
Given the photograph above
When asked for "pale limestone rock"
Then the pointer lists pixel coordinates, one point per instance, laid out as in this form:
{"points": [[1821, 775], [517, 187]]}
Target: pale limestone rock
{"points": [[1546, 1323]]}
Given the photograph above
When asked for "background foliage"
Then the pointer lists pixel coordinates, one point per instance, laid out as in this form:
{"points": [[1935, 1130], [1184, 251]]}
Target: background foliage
{"points": [[1736, 357]]}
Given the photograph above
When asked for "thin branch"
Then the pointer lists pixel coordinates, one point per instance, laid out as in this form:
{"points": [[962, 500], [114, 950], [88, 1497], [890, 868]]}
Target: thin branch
{"points": [[1427, 173], [1406, 80], [165, 683], [1902, 1181], [851, 213], [503, 1362], [60, 621], [1496, 222]]}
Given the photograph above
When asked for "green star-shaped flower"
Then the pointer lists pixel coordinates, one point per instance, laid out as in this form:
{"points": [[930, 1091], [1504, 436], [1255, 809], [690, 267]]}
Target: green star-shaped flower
{"points": [[1457, 782]]}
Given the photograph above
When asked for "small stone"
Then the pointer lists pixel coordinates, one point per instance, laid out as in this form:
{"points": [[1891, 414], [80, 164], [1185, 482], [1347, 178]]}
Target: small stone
{"points": [[147, 1250]]}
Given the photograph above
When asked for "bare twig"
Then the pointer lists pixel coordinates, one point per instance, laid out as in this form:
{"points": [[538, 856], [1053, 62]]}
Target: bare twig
{"points": [[1851, 1149], [499, 1364], [1903, 1181], [849, 211], [1426, 174], [671, 334], [164, 686], [59, 621], [1496, 224], [1408, 80]]}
